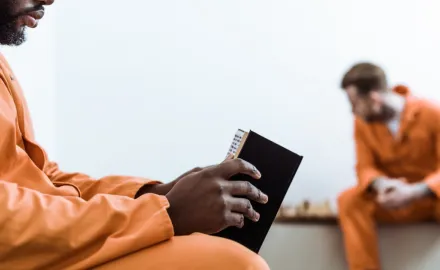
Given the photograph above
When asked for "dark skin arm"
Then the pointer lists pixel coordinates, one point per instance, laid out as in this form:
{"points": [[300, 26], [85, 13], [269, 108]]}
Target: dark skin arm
{"points": [[163, 189]]}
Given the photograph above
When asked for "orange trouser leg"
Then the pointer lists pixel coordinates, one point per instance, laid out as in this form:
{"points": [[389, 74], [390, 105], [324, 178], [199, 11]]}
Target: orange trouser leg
{"points": [[359, 215], [197, 251]]}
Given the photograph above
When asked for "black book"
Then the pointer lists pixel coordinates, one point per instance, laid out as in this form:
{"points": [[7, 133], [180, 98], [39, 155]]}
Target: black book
{"points": [[278, 167]]}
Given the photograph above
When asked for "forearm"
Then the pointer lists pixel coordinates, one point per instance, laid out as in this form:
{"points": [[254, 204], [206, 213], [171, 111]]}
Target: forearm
{"points": [[368, 177], [89, 187], [432, 182]]}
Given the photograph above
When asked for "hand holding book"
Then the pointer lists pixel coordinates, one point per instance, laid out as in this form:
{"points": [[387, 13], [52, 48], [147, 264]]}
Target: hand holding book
{"points": [[206, 201], [278, 166]]}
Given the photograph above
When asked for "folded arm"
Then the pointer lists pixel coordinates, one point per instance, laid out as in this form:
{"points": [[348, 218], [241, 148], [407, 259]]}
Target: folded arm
{"points": [[366, 169], [431, 184], [89, 187]]}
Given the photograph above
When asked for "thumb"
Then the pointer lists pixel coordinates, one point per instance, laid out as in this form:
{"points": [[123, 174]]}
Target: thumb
{"points": [[381, 193], [229, 156], [381, 198]]}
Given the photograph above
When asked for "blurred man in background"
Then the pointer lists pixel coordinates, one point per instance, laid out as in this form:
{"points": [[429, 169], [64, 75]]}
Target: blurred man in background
{"points": [[397, 139], [51, 219]]}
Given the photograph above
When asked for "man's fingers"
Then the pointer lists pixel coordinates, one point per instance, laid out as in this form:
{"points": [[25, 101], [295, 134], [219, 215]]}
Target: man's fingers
{"points": [[243, 206], [232, 167], [385, 190], [382, 199], [394, 183], [235, 220], [389, 201], [246, 189]]}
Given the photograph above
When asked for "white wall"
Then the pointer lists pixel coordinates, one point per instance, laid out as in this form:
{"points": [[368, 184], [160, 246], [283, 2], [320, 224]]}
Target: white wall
{"points": [[154, 88], [34, 65]]}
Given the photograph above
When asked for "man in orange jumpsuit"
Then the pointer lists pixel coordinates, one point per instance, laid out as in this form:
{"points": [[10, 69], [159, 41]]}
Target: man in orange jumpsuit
{"points": [[50, 219], [397, 139]]}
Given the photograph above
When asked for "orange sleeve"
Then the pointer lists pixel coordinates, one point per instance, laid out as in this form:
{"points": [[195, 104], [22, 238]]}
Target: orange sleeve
{"points": [[433, 179], [365, 166], [40, 231], [89, 187]]}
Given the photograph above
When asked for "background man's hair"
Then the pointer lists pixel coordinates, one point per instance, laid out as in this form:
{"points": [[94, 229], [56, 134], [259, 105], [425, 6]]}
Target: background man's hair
{"points": [[366, 77]]}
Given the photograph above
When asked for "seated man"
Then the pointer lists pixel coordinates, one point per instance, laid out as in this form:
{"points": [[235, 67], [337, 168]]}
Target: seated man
{"points": [[397, 140], [50, 219]]}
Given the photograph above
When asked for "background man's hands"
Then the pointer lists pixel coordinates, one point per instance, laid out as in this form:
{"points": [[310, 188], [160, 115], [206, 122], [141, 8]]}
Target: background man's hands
{"points": [[395, 193], [207, 202]]}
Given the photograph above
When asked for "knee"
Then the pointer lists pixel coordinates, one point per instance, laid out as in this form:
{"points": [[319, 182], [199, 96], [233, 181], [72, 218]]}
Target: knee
{"points": [[350, 200], [233, 255]]}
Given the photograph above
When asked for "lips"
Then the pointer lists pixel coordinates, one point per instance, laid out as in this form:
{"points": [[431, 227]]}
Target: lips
{"points": [[37, 14], [30, 19]]}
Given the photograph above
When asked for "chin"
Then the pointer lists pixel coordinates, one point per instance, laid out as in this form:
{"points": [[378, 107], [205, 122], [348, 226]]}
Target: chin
{"points": [[14, 39], [12, 33], [373, 119]]}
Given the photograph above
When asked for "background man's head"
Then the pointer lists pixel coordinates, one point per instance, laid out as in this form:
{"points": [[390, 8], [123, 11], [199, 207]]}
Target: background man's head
{"points": [[366, 86], [16, 15]]}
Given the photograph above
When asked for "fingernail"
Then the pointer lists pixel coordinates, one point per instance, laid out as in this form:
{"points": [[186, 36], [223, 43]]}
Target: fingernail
{"points": [[257, 172], [257, 217], [265, 198]]}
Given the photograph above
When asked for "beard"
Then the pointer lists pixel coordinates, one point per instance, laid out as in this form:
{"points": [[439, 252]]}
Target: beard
{"points": [[373, 118], [10, 35], [385, 114], [10, 32]]}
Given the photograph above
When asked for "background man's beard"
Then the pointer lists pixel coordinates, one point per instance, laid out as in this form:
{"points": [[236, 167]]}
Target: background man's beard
{"points": [[10, 35], [385, 115]]}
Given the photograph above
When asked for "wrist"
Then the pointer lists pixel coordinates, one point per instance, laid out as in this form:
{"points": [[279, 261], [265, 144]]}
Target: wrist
{"points": [[376, 184], [159, 189], [421, 190], [174, 216]]}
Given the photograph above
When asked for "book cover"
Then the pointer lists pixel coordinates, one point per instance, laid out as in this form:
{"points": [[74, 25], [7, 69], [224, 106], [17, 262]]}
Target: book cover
{"points": [[278, 167]]}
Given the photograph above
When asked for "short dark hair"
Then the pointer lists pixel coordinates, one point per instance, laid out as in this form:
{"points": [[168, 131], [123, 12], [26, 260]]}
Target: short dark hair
{"points": [[366, 77]]}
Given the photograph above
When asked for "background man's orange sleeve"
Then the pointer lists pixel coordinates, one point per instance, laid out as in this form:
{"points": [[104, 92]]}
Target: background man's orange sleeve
{"points": [[433, 180], [40, 231], [365, 165]]}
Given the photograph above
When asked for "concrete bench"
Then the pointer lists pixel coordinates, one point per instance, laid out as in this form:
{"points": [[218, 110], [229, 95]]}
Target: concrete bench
{"points": [[314, 244]]}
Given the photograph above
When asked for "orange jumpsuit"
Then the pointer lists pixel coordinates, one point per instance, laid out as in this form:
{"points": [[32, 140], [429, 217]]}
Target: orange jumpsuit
{"points": [[414, 154], [50, 219]]}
